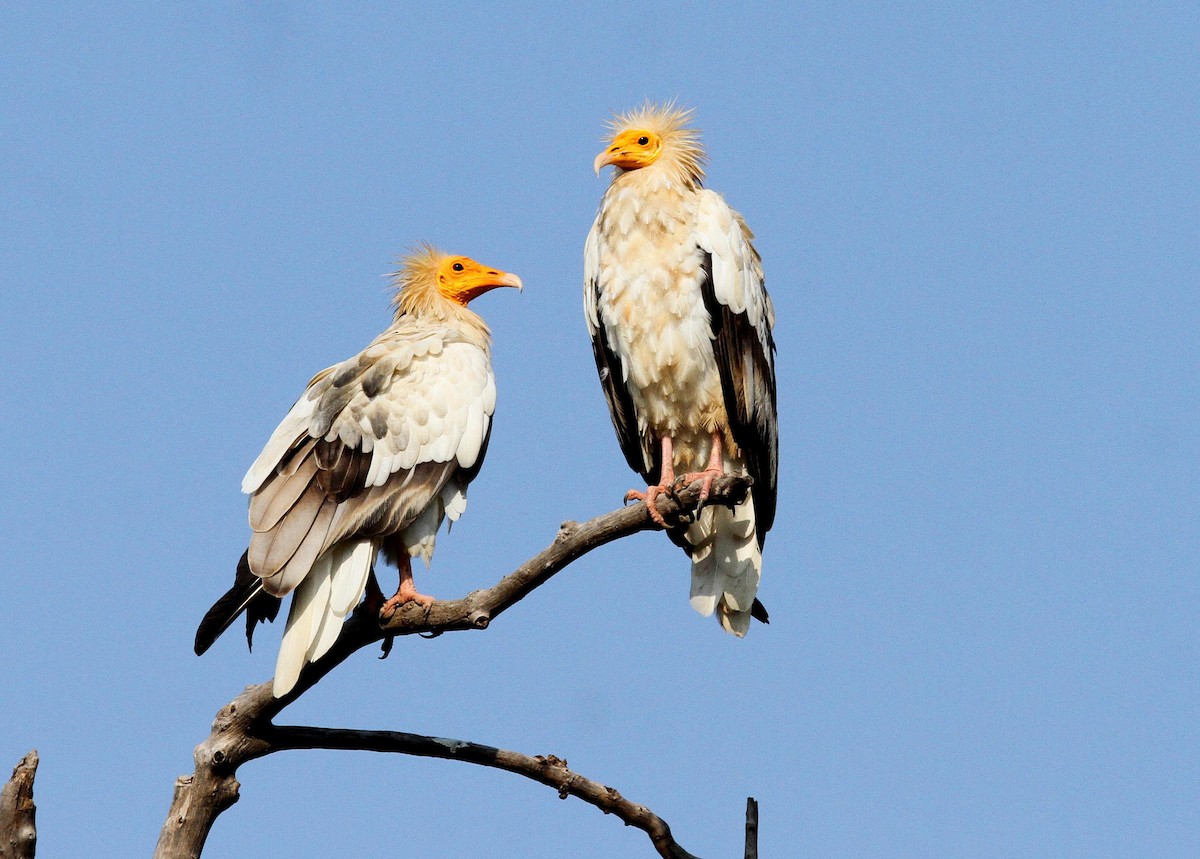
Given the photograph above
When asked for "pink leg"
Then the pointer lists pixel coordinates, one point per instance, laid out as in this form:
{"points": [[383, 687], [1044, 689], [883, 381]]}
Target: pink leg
{"points": [[407, 591], [715, 469], [666, 478]]}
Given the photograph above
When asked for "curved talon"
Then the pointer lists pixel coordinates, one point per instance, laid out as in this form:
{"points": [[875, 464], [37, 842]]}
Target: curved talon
{"points": [[402, 596], [648, 496], [707, 476], [407, 592]]}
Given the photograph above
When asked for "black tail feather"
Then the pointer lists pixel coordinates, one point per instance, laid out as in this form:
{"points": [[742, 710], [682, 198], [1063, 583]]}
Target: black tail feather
{"points": [[758, 611], [246, 595]]}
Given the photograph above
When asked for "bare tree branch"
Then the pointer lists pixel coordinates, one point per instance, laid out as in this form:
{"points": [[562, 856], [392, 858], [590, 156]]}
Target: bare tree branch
{"points": [[18, 829], [751, 828], [547, 769], [243, 729], [574, 540]]}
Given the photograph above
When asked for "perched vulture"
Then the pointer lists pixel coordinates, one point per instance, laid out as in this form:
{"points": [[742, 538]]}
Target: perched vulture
{"points": [[681, 329], [375, 453]]}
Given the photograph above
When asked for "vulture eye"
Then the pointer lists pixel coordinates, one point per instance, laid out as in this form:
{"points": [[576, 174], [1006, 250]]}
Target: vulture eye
{"points": [[457, 266], [642, 141]]}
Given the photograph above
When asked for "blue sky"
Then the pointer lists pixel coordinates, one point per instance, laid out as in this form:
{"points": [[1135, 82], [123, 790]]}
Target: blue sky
{"points": [[980, 227]]}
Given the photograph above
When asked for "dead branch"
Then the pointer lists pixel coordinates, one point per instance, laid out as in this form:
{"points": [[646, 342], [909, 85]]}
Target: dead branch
{"points": [[751, 828], [547, 769], [243, 729], [18, 829]]}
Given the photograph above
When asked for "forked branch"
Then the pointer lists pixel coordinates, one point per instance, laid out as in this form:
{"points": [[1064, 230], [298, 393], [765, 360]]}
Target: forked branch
{"points": [[243, 729]]}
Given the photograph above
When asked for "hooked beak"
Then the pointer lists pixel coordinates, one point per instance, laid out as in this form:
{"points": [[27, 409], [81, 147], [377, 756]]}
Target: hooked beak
{"points": [[608, 156], [484, 281], [505, 278]]}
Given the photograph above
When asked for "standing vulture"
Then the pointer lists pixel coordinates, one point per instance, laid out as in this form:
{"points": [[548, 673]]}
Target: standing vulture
{"points": [[681, 329], [375, 453]]}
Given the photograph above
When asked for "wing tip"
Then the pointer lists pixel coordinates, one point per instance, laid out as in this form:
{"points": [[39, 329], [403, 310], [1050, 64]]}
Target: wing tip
{"points": [[246, 595]]}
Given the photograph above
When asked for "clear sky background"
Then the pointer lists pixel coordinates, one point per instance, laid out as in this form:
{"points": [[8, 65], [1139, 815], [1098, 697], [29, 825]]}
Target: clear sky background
{"points": [[981, 230]]}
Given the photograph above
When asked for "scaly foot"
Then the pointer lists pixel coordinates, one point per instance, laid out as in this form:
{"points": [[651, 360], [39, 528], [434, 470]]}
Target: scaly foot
{"points": [[648, 496], [711, 472], [666, 479], [401, 597], [406, 593], [708, 476]]}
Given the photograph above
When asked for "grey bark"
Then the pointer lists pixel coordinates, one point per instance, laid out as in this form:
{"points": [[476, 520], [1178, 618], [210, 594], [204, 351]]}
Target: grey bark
{"points": [[18, 825], [751, 828]]}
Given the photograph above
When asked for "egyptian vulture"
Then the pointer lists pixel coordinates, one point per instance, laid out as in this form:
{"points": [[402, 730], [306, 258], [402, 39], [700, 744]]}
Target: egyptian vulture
{"points": [[681, 330], [375, 453]]}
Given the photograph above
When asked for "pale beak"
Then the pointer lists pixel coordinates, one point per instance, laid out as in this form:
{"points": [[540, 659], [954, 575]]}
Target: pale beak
{"points": [[504, 278], [604, 158]]}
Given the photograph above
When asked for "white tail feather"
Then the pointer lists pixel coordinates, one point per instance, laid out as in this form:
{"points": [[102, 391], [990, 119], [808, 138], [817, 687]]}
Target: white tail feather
{"points": [[350, 580], [329, 624], [310, 599], [351, 566], [726, 565]]}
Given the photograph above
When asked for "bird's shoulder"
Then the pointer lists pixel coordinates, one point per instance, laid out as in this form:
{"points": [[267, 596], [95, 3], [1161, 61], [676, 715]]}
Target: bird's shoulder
{"points": [[737, 275]]}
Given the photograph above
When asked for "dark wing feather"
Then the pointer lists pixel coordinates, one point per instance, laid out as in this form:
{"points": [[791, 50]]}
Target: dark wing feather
{"points": [[246, 595], [341, 470], [748, 385], [638, 447]]}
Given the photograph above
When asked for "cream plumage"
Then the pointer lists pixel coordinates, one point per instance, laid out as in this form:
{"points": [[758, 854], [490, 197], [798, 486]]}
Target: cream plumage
{"points": [[681, 327], [374, 455]]}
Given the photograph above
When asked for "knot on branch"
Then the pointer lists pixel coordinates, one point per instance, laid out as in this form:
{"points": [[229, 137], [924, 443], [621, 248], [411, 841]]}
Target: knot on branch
{"points": [[216, 757], [566, 776], [479, 619]]}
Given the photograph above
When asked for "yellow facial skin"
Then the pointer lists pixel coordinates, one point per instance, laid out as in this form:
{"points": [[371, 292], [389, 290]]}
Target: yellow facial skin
{"points": [[632, 149], [461, 279]]}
